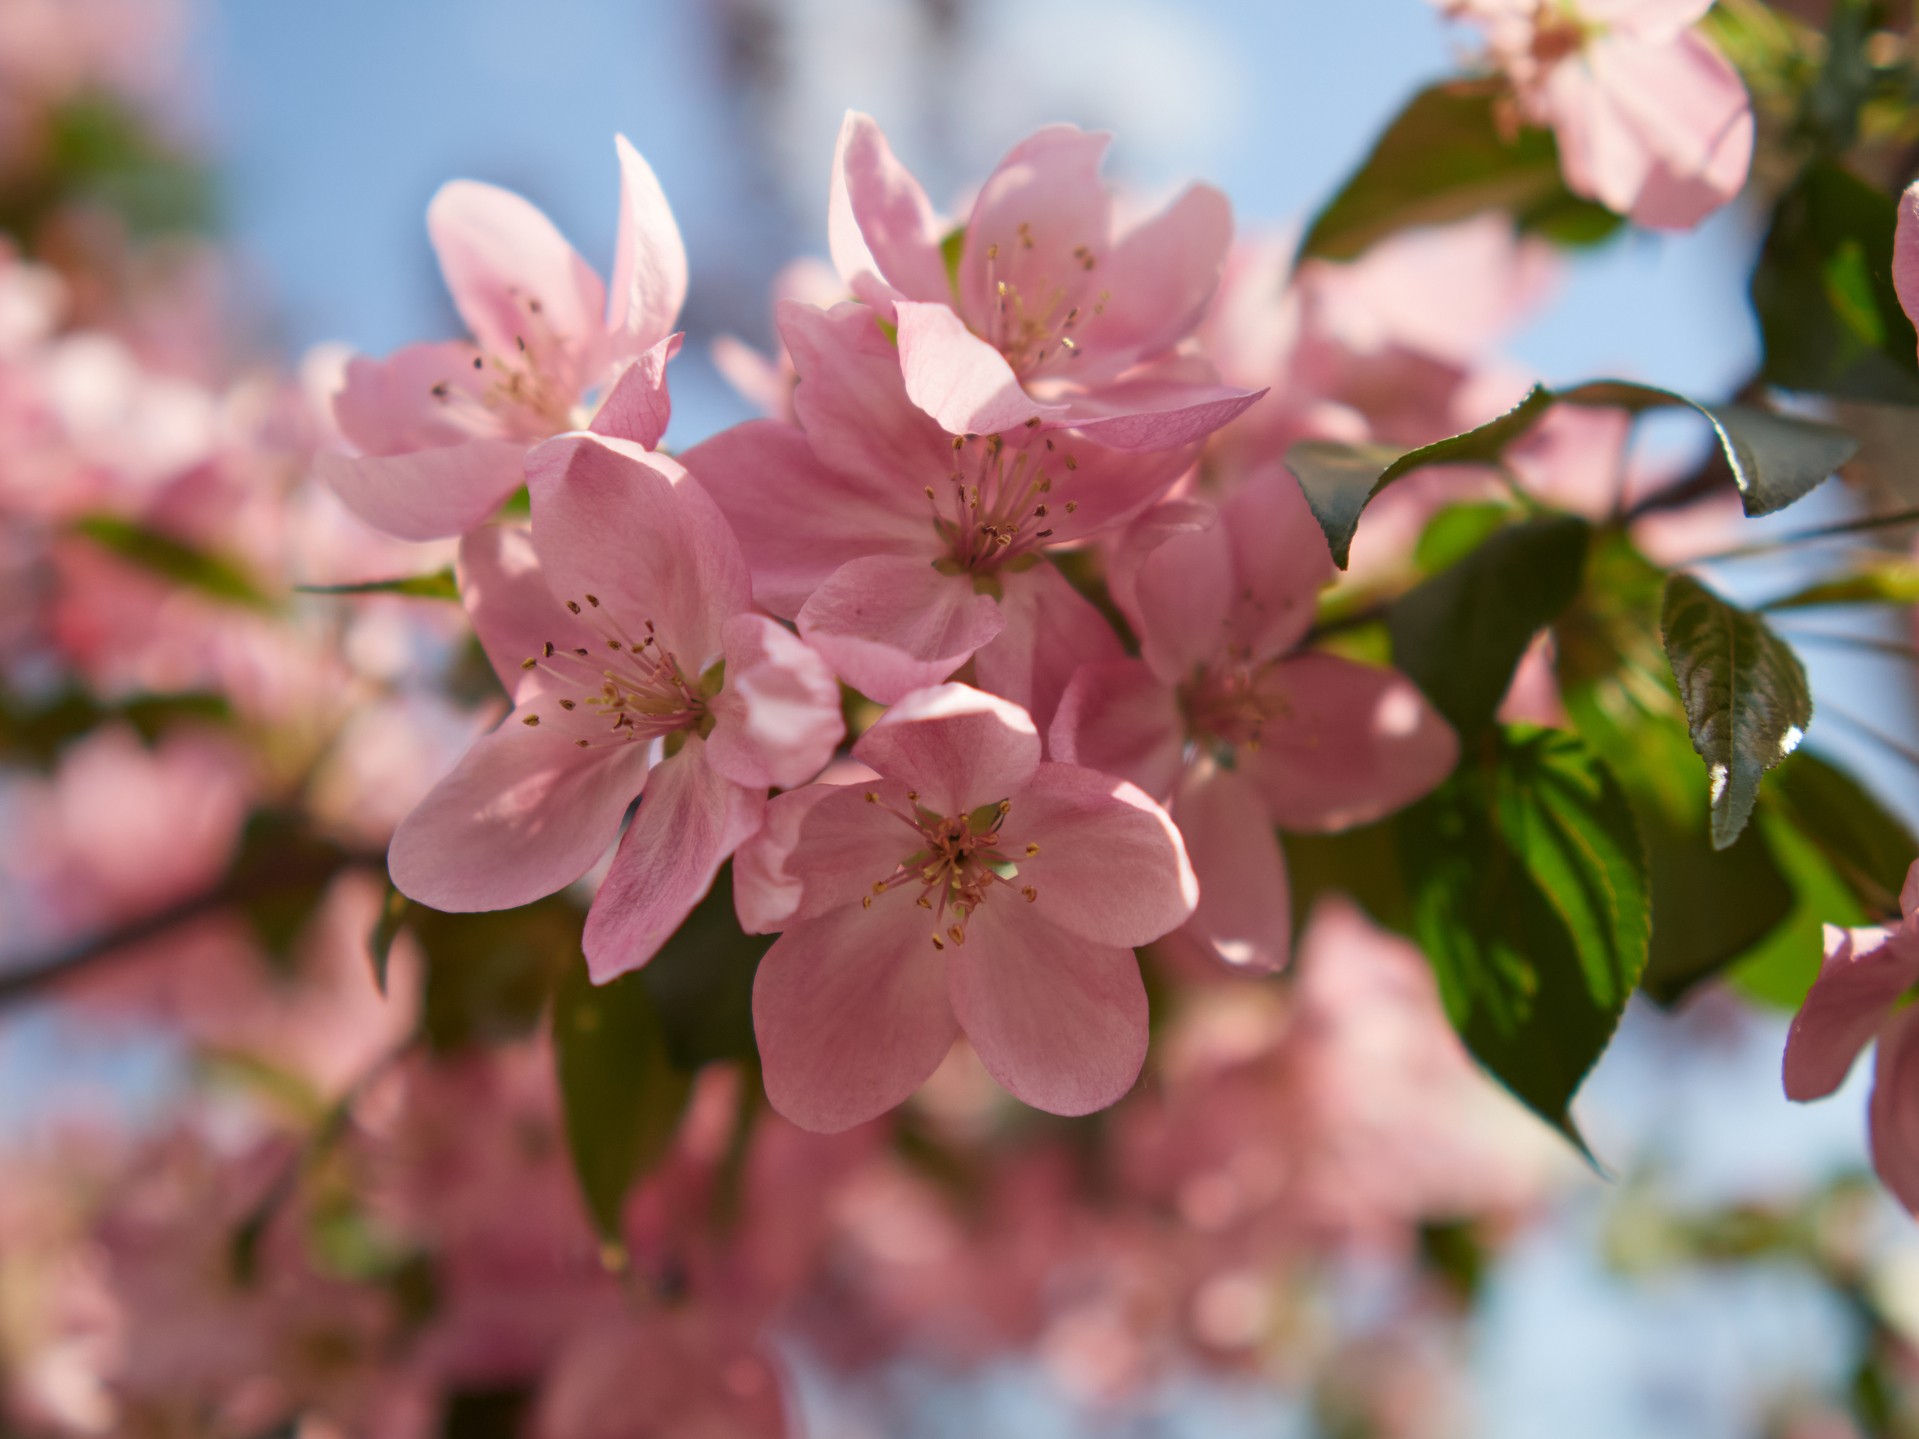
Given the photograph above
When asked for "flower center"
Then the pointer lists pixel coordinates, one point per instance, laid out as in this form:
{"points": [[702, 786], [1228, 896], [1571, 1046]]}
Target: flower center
{"points": [[515, 391], [1230, 705], [956, 863], [634, 689], [1036, 320], [1000, 504], [1558, 33]]}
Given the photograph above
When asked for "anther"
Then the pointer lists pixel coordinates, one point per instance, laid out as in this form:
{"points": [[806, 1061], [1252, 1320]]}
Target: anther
{"points": [[1030, 893], [1031, 850], [593, 600], [1071, 463], [866, 901], [1033, 424], [938, 943], [529, 663], [478, 363], [531, 721], [1071, 505], [547, 649], [567, 704], [872, 798], [956, 934], [439, 391], [520, 340], [582, 744], [573, 605]]}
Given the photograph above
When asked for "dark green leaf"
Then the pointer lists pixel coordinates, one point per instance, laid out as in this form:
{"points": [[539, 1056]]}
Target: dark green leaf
{"points": [[1340, 479], [37, 732], [280, 876], [488, 976], [439, 585], [380, 943], [621, 1094], [1776, 459], [1829, 317], [173, 560], [1781, 968], [1746, 697], [701, 981], [1445, 157], [1460, 635], [1362, 864], [1456, 532], [1528, 887], [1868, 847]]}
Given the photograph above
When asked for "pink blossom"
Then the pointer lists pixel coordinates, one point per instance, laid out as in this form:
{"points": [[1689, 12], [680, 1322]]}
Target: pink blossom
{"points": [[1856, 999], [903, 551], [1652, 120], [443, 428], [971, 887], [1052, 312], [607, 624], [1226, 722], [1905, 252]]}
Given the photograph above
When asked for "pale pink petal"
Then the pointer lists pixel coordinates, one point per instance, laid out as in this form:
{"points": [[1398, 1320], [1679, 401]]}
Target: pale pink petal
{"points": [[420, 397], [1245, 913], [634, 530], [960, 380], [1041, 216], [797, 520], [1894, 1113], [1909, 893], [889, 624], [778, 716], [1905, 253], [691, 817], [514, 279], [1647, 19], [766, 891], [958, 748], [851, 1013], [1672, 200], [1280, 564], [1681, 96], [880, 225], [1143, 536], [525, 813], [1600, 153], [1110, 866], [1162, 274], [1121, 718], [1346, 744], [506, 597], [1180, 594], [1864, 973], [1058, 1020], [1051, 629], [847, 843], [428, 494], [1149, 412], [638, 407], [649, 265], [852, 403]]}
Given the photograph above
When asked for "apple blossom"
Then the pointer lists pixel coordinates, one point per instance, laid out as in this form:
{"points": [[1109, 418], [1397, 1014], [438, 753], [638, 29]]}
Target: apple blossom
{"points": [[1223, 720], [1652, 121], [1052, 312], [442, 429], [970, 887], [610, 625], [903, 551]]}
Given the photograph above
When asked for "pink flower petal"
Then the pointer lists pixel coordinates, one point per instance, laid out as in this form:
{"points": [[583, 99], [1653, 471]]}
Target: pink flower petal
{"points": [[1600, 154], [1162, 275], [1150, 412], [778, 715], [1040, 216], [1180, 593], [1051, 630], [881, 229], [960, 380], [1894, 1112], [1058, 1020], [889, 624], [513, 612], [1679, 200], [514, 278], [1905, 253], [649, 263], [958, 748], [525, 812], [690, 819], [1111, 867], [1348, 743], [633, 529], [1120, 718], [766, 891], [1245, 913], [851, 1013], [797, 520], [638, 407], [420, 397], [1280, 564], [1864, 973], [846, 843], [428, 494]]}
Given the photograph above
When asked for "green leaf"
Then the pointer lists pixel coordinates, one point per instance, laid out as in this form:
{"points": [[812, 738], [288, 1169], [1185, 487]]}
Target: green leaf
{"points": [[280, 876], [39, 731], [489, 976], [1445, 157], [1460, 634], [1775, 459], [1339, 479], [173, 560], [1528, 886], [1868, 847], [1781, 968], [1456, 532], [380, 943], [701, 981], [1879, 582], [619, 1090], [952, 248], [1829, 317], [439, 585], [1745, 692]]}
